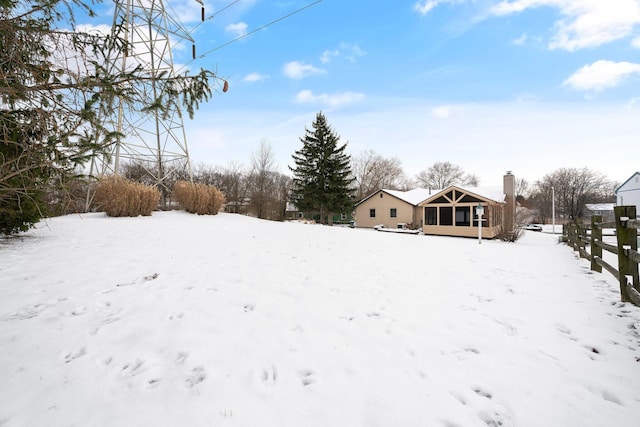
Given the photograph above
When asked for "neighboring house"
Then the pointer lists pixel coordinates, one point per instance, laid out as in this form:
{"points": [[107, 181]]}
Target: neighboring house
{"points": [[391, 208], [628, 194], [605, 210], [448, 212]]}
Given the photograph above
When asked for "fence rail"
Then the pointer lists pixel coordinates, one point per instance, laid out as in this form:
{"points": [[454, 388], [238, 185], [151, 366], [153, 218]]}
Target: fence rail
{"points": [[626, 227]]}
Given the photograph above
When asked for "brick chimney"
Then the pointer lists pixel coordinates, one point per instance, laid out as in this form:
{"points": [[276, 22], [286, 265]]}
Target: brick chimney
{"points": [[509, 188]]}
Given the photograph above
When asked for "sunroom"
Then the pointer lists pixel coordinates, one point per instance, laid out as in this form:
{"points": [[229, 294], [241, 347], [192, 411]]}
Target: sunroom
{"points": [[453, 212]]}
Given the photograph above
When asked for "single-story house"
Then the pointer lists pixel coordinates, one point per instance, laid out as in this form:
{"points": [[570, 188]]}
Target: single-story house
{"points": [[628, 194], [448, 212]]}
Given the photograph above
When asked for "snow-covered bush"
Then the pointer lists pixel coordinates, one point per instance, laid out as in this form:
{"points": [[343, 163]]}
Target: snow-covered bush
{"points": [[121, 197], [201, 199]]}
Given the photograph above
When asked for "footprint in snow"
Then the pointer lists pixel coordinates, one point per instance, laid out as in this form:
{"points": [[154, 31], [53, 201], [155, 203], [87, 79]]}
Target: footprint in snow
{"points": [[133, 368], [566, 331], [466, 353], [482, 392], [181, 357], [494, 415], [143, 279], [71, 356], [79, 311], [196, 376], [269, 375], [153, 382], [307, 377]]}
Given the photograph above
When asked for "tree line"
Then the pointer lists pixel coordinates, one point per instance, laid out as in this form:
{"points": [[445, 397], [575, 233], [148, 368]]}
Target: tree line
{"points": [[328, 180]]}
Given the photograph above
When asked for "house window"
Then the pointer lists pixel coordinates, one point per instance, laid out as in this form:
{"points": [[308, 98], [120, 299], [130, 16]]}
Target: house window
{"points": [[431, 215], [393, 213], [446, 215], [343, 216], [372, 213], [463, 216]]}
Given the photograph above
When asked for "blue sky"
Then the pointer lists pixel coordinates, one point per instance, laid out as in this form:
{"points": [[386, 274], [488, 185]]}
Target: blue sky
{"points": [[491, 85]]}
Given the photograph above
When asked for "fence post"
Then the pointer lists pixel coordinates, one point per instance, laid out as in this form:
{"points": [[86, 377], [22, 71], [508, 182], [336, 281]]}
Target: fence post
{"points": [[571, 230], [627, 238], [596, 237], [577, 241]]}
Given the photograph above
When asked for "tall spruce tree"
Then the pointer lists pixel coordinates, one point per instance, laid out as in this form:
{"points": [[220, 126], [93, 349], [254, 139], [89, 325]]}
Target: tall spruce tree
{"points": [[322, 179]]}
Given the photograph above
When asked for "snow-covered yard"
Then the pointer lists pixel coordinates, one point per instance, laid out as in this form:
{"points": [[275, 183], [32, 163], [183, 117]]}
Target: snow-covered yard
{"points": [[183, 320]]}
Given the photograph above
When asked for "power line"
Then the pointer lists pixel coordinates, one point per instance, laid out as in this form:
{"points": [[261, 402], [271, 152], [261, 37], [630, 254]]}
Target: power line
{"points": [[259, 28], [210, 17]]}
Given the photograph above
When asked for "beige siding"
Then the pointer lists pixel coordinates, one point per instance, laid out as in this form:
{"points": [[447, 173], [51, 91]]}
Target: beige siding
{"points": [[405, 212], [451, 230]]}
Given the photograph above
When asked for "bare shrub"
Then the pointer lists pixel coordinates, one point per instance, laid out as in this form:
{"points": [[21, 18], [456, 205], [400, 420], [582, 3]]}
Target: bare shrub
{"points": [[201, 199], [522, 218], [121, 197]]}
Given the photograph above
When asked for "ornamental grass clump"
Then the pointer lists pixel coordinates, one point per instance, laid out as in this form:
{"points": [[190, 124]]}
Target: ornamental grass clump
{"points": [[201, 199], [120, 197]]}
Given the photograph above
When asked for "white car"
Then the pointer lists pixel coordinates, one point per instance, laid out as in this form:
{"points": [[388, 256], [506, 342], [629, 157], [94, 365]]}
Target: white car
{"points": [[533, 227]]}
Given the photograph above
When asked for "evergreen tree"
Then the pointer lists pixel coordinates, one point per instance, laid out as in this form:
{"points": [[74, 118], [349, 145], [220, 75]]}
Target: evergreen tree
{"points": [[56, 88], [322, 179]]}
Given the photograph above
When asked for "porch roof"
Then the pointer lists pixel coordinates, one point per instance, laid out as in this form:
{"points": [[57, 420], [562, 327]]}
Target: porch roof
{"points": [[486, 193]]}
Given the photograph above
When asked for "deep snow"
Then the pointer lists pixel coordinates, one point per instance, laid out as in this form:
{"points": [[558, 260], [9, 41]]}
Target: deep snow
{"points": [[184, 320]]}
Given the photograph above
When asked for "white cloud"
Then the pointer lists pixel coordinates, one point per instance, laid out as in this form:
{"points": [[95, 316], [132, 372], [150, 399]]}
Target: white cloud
{"points": [[349, 51], [586, 23], [601, 75], [255, 77], [184, 10], [425, 6], [636, 42], [298, 70], [238, 30], [331, 100], [328, 55], [520, 41], [446, 111]]}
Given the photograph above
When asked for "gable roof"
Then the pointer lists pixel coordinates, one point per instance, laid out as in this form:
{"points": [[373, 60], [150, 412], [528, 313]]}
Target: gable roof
{"points": [[626, 182], [600, 206], [413, 197], [488, 194]]}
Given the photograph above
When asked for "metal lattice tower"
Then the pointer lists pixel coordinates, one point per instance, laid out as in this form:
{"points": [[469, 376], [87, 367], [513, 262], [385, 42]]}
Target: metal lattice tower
{"points": [[154, 140]]}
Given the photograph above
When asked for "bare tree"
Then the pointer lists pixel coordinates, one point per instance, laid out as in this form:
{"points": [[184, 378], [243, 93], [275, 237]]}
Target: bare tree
{"points": [[373, 172], [443, 174], [261, 178], [234, 185], [573, 189], [522, 187]]}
